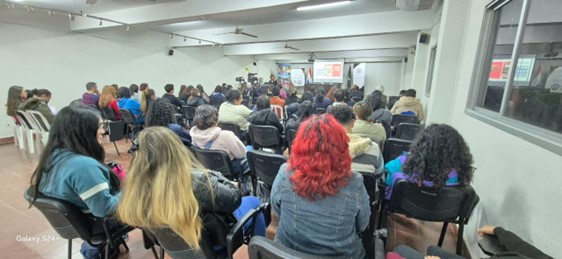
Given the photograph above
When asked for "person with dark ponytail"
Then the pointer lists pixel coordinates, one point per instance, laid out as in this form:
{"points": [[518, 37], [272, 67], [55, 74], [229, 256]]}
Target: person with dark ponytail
{"points": [[39, 102], [16, 95]]}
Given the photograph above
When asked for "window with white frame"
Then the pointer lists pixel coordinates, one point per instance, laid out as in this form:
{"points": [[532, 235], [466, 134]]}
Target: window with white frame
{"points": [[525, 98]]}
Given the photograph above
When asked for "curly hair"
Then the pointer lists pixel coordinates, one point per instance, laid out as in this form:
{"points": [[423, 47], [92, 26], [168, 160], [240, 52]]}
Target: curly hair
{"points": [[320, 158], [160, 113], [437, 151]]}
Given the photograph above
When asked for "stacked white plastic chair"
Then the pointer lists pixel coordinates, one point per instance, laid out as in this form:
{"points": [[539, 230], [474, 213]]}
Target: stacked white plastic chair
{"points": [[18, 134], [28, 128], [42, 125]]}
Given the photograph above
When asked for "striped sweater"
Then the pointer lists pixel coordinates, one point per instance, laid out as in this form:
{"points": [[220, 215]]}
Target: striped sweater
{"points": [[80, 180]]}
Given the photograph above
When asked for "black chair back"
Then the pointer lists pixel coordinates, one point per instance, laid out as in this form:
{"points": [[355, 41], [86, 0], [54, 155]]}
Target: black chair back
{"points": [[401, 118], [387, 128], [127, 116], [230, 126], [66, 218], [290, 134], [177, 248], [237, 236], [448, 204], [407, 131], [107, 113], [216, 160], [370, 182], [263, 248], [116, 130], [188, 112], [394, 147], [265, 136], [264, 166]]}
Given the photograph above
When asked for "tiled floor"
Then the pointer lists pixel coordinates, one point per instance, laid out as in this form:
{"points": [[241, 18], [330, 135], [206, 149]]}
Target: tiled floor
{"points": [[17, 221]]}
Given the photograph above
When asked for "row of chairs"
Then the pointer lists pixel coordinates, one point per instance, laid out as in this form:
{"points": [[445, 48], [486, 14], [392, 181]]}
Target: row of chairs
{"points": [[30, 123]]}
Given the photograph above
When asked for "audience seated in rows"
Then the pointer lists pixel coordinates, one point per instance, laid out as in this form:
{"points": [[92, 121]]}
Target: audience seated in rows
{"points": [[379, 90], [516, 248], [339, 97], [207, 135], [90, 97], [438, 157], [162, 113], [322, 205], [355, 93], [365, 154], [264, 115], [234, 111], [125, 102], [39, 102], [365, 128], [195, 100], [163, 167], [108, 103], [203, 94], [185, 92], [169, 95], [409, 103], [380, 112]]}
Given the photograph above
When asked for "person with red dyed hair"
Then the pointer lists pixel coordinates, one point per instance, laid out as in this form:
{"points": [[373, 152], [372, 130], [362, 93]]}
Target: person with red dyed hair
{"points": [[321, 204]]}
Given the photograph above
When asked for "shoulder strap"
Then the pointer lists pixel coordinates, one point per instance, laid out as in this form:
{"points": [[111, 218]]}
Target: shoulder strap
{"points": [[209, 144]]}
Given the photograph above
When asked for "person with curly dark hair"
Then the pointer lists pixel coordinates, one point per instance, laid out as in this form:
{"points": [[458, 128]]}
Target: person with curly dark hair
{"points": [[162, 113], [438, 157]]}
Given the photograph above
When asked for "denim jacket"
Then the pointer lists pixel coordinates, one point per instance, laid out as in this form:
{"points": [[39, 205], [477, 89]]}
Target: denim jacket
{"points": [[330, 226]]}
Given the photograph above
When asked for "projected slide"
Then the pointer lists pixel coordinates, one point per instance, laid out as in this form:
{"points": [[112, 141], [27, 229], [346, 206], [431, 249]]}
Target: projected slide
{"points": [[328, 71]]}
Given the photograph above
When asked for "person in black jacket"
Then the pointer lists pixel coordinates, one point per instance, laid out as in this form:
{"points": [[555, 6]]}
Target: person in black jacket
{"points": [[169, 95], [516, 247], [264, 115], [195, 99]]}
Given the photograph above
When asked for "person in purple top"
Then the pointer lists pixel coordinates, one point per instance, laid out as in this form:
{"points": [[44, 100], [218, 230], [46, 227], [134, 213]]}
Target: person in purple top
{"points": [[438, 157], [91, 97]]}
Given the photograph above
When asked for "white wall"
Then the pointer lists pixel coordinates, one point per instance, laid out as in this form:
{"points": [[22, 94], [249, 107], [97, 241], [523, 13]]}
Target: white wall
{"points": [[518, 182], [387, 74], [64, 62]]}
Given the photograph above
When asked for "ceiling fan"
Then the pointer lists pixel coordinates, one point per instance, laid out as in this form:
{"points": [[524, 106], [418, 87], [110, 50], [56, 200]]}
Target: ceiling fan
{"points": [[287, 46], [238, 31]]}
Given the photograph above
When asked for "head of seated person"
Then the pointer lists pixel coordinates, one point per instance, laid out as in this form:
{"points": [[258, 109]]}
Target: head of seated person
{"points": [[234, 97], [438, 157], [262, 103], [160, 113]]}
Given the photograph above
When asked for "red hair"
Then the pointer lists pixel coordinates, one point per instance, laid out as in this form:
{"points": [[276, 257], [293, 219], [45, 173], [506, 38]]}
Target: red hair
{"points": [[320, 158]]}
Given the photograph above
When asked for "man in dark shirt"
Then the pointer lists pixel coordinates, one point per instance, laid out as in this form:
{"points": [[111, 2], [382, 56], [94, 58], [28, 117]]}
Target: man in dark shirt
{"points": [[170, 97], [91, 97]]}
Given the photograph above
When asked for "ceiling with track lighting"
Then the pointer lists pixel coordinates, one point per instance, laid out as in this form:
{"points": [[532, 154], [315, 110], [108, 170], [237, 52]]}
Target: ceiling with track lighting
{"points": [[249, 27]]}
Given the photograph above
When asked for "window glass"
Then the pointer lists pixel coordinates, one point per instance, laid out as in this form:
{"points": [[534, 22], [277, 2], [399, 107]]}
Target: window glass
{"points": [[499, 65], [536, 92]]}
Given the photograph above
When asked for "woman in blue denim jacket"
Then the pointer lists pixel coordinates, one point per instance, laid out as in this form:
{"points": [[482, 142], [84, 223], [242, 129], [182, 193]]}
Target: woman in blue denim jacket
{"points": [[322, 205]]}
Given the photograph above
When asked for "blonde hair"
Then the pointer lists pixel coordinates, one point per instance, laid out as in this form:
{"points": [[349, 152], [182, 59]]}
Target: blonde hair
{"points": [[146, 94], [158, 189], [107, 95]]}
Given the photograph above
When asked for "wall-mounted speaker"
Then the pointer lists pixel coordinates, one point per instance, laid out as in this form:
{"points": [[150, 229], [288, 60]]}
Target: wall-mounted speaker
{"points": [[424, 38], [170, 52]]}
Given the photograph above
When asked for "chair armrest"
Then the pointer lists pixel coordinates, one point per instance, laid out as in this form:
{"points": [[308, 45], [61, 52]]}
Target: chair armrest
{"points": [[490, 245]]}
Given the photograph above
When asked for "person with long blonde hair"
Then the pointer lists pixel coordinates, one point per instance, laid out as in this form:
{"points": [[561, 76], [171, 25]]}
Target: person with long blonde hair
{"points": [[108, 100], [167, 187], [147, 97]]}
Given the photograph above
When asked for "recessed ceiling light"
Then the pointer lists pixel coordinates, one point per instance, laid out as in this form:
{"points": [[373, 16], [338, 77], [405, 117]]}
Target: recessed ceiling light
{"points": [[320, 6]]}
